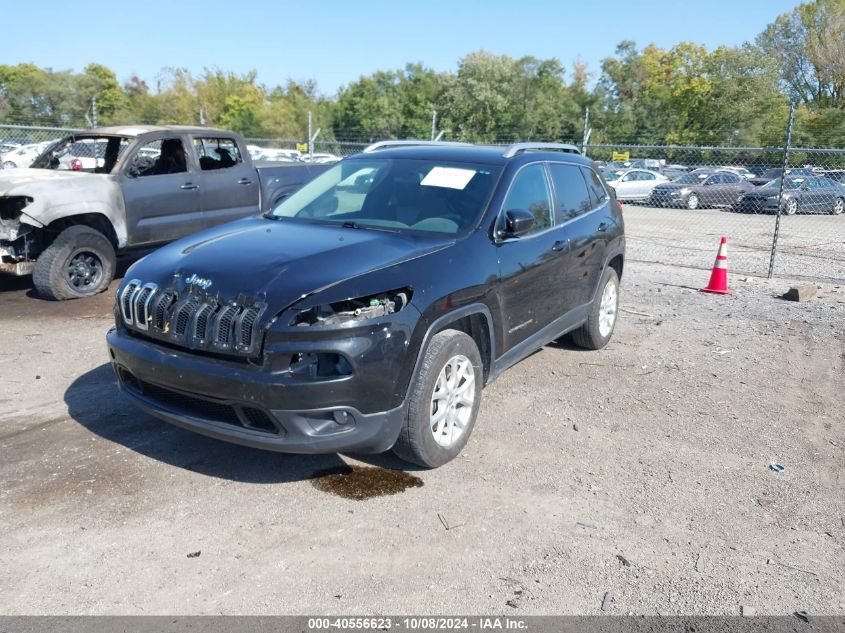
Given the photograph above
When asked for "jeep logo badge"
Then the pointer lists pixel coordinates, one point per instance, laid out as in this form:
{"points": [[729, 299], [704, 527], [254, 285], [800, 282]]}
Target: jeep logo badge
{"points": [[201, 282]]}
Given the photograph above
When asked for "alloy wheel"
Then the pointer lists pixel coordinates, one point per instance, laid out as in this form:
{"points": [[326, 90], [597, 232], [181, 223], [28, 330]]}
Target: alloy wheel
{"points": [[452, 401], [607, 309], [84, 270]]}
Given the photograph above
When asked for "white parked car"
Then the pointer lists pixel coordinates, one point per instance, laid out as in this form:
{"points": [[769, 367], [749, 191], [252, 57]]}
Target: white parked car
{"points": [[635, 184], [319, 158], [280, 155], [24, 155]]}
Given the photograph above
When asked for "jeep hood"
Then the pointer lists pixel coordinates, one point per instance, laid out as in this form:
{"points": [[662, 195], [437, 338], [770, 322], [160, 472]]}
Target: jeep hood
{"points": [[278, 261]]}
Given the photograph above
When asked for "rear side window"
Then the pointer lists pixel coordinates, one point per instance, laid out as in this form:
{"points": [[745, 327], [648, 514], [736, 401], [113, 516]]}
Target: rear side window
{"points": [[598, 194], [157, 158], [217, 153], [571, 195], [530, 191]]}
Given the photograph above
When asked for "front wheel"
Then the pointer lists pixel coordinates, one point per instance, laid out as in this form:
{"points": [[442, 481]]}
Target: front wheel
{"points": [[443, 401], [79, 263], [693, 202], [838, 207], [598, 329], [791, 207]]}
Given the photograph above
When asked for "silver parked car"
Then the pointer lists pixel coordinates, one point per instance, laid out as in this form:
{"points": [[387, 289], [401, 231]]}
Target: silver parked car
{"points": [[634, 184]]}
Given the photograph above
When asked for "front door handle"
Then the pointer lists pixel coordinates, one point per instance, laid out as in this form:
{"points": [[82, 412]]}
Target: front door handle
{"points": [[560, 245], [244, 181], [188, 186]]}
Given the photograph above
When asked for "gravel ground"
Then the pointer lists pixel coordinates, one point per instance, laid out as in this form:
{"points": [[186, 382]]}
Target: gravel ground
{"points": [[641, 471], [811, 246]]}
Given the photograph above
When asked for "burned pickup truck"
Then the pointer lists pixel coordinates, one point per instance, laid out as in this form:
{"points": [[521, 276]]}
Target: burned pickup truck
{"points": [[106, 191]]}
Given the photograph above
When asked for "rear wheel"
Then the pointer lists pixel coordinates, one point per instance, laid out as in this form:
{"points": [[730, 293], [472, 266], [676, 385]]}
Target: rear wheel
{"points": [[443, 401], [598, 329], [838, 207], [79, 263]]}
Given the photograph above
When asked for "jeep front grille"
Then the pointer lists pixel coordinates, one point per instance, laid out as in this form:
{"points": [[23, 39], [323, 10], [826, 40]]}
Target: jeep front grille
{"points": [[194, 320]]}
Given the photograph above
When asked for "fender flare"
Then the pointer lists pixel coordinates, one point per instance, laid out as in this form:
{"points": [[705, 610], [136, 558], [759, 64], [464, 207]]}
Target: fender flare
{"points": [[445, 319]]}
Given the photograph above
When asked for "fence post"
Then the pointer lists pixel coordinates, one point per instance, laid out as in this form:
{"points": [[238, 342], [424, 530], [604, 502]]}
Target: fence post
{"points": [[586, 131], [310, 140], [93, 111], [786, 147]]}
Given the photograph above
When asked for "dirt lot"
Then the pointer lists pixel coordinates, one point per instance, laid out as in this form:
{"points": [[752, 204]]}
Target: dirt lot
{"points": [[811, 245], [642, 471]]}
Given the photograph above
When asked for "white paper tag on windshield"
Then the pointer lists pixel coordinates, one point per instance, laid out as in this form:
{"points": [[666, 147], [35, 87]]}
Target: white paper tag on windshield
{"points": [[450, 177]]}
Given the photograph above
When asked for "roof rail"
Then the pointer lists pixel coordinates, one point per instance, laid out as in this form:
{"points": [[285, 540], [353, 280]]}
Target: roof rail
{"points": [[516, 148], [384, 144]]}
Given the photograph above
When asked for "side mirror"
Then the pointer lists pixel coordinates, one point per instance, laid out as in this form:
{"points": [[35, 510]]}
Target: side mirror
{"points": [[517, 222]]}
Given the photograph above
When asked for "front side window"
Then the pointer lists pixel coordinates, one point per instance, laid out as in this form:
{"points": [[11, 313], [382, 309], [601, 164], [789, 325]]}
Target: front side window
{"points": [[84, 152], [395, 194], [530, 191], [571, 195], [217, 153]]}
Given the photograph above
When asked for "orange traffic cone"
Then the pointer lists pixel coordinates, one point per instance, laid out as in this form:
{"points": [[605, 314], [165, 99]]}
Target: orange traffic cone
{"points": [[719, 277]]}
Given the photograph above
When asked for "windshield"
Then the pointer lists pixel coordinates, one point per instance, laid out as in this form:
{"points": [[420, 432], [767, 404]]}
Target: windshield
{"points": [[691, 179], [83, 152], [789, 183], [395, 194]]}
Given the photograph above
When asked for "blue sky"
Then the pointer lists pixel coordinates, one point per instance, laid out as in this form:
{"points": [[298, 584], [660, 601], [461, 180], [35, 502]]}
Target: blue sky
{"points": [[334, 42]]}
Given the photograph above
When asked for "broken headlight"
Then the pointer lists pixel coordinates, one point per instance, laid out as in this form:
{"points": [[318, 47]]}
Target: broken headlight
{"points": [[352, 310], [11, 207]]}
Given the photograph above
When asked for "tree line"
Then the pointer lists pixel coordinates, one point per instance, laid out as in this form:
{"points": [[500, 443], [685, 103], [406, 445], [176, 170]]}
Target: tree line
{"points": [[685, 95]]}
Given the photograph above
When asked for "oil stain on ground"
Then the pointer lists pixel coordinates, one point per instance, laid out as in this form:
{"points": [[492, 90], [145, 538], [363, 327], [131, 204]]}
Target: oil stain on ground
{"points": [[364, 482]]}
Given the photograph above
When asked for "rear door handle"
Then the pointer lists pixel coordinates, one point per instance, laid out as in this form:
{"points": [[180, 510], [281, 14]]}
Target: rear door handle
{"points": [[189, 185], [603, 227], [244, 181], [560, 245]]}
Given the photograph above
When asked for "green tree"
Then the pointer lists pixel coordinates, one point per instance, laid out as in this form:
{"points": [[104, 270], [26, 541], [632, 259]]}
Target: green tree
{"points": [[808, 45]]}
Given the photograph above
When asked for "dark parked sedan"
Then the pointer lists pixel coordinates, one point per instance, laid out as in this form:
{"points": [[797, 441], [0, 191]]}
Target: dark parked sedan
{"points": [[700, 188], [770, 174], [800, 194]]}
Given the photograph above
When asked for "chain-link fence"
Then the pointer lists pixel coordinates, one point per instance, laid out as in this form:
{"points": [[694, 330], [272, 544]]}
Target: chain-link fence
{"points": [[678, 200]]}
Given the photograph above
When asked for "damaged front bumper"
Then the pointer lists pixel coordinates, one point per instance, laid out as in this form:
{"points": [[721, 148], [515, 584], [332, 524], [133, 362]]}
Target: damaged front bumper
{"points": [[14, 230], [255, 405]]}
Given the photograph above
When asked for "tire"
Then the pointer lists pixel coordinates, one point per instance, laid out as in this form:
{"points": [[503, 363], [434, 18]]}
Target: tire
{"points": [[693, 201], [92, 257], [596, 332], [417, 443], [791, 207], [838, 207]]}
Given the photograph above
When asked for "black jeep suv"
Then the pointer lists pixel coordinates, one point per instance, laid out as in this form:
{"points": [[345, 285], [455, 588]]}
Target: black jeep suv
{"points": [[367, 310]]}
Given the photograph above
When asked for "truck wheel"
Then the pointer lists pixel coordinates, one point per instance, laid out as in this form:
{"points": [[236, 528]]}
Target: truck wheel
{"points": [[598, 329], [79, 263], [443, 401]]}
